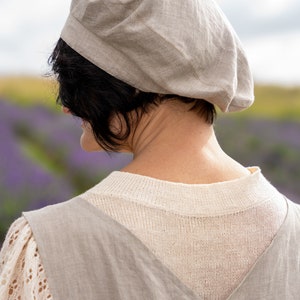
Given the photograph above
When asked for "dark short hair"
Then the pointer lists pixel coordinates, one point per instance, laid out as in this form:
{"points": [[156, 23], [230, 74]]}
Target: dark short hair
{"points": [[95, 96]]}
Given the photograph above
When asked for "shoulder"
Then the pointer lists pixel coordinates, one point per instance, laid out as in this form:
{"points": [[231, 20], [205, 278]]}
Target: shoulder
{"points": [[18, 234], [290, 229], [78, 225], [294, 208], [294, 212], [17, 237], [63, 212], [70, 221], [20, 264], [51, 209], [56, 216]]}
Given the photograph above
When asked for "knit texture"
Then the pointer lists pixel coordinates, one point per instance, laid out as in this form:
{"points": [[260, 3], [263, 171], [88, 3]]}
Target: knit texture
{"points": [[209, 236]]}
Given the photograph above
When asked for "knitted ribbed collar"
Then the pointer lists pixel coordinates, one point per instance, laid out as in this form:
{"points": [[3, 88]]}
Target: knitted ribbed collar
{"points": [[189, 199]]}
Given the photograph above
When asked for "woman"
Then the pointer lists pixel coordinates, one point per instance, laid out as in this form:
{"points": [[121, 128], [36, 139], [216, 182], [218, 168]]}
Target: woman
{"points": [[183, 220]]}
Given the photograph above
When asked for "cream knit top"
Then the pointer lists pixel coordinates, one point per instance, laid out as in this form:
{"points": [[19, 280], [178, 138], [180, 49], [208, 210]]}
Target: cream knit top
{"points": [[208, 235]]}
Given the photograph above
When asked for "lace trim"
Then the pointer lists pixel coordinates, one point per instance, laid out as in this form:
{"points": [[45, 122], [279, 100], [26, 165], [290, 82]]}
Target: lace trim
{"points": [[22, 275]]}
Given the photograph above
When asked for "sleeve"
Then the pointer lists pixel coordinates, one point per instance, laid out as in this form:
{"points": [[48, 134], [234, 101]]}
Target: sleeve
{"points": [[22, 275]]}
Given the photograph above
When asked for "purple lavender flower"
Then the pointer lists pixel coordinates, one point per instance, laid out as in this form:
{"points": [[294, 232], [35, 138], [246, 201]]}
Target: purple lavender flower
{"points": [[41, 161]]}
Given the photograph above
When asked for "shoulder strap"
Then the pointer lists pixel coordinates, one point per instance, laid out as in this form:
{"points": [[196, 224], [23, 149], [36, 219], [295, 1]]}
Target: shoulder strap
{"points": [[88, 255], [276, 274]]}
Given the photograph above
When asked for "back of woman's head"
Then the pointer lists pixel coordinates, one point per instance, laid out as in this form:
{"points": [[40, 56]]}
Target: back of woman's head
{"points": [[97, 97]]}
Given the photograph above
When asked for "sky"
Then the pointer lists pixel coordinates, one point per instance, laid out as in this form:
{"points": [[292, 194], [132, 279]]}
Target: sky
{"points": [[268, 29]]}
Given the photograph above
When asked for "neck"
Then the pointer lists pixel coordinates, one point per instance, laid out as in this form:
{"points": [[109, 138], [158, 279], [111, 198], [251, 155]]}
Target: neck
{"points": [[174, 144]]}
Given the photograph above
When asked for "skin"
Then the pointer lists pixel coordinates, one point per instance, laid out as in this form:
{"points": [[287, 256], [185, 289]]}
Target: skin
{"points": [[87, 140], [174, 144]]}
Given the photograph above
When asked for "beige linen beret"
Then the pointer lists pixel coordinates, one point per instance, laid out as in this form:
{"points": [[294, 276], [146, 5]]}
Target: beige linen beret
{"points": [[181, 47]]}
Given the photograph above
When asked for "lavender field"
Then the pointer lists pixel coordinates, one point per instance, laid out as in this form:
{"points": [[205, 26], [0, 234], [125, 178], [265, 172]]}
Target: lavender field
{"points": [[41, 161], [273, 145]]}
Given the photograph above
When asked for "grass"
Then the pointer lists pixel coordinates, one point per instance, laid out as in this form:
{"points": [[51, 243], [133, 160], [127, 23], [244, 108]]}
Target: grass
{"points": [[272, 102], [29, 90], [47, 161]]}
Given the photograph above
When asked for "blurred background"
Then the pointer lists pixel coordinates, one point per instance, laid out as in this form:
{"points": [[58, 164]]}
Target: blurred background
{"points": [[41, 161]]}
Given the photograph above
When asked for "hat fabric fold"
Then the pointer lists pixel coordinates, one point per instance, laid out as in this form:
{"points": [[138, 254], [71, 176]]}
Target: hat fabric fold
{"points": [[186, 48]]}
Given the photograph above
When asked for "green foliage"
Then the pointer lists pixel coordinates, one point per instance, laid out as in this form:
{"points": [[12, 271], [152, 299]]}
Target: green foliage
{"points": [[28, 91], [274, 102], [31, 147], [41, 146]]}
